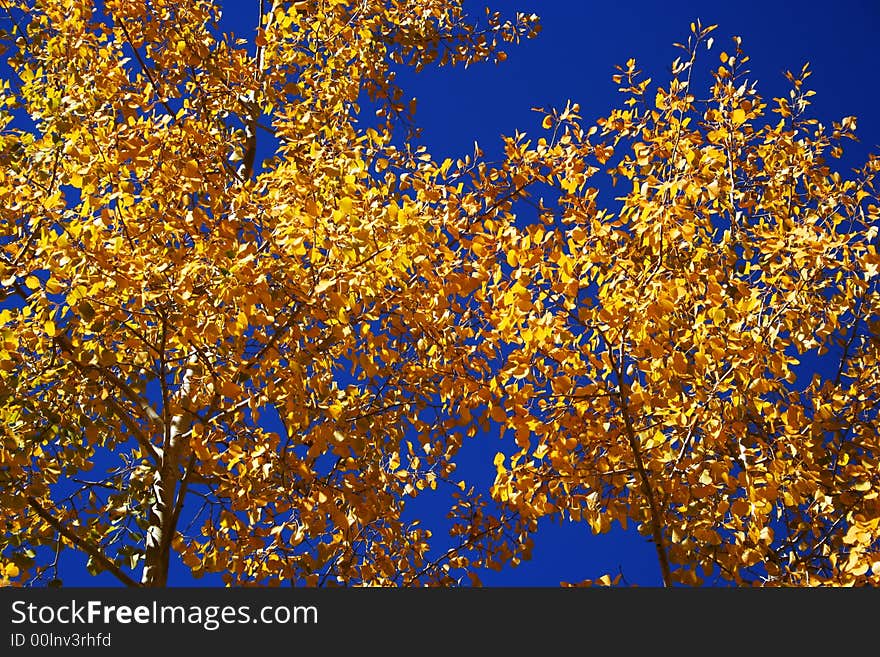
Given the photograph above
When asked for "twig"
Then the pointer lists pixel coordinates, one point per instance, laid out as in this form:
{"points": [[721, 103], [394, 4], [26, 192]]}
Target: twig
{"points": [[81, 543]]}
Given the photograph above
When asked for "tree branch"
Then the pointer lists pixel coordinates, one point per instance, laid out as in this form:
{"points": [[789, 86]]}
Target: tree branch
{"points": [[647, 491], [81, 543], [145, 68]]}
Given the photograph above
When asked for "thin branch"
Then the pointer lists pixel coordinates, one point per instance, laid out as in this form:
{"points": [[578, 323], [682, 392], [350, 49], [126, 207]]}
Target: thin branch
{"points": [[22, 33], [81, 543], [181, 498], [145, 68], [647, 490], [123, 387], [132, 426]]}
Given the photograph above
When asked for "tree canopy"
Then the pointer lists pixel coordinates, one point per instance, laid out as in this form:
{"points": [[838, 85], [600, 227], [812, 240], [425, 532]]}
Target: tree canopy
{"points": [[253, 366]]}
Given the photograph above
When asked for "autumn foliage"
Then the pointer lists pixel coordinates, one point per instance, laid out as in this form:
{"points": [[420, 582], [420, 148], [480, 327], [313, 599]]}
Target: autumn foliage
{"points": [[252, 363]]}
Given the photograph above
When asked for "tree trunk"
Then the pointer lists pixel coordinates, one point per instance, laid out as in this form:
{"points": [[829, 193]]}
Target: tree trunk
{"points": [[166, 479], [158, 540]]}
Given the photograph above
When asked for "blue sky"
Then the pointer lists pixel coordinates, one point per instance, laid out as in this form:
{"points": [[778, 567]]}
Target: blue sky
{"points": [[574, 58]]}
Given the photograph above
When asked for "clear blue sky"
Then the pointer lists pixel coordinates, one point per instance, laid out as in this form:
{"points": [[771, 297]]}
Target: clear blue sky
{"points": [[573, 58]]}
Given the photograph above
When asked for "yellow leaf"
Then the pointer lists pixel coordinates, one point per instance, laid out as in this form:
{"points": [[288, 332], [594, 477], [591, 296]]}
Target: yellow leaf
{"points": [[51, 329], [679, 364], [497, 413], [740, 507], [324, 285], [32, 282], [53, 286], [547, 123], [739, 116], [191, 170], [524, 303]]}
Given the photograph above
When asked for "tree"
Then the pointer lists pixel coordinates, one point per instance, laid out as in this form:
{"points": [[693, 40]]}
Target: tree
{"points": [[247, 366], [253, 366], [701, 358]]}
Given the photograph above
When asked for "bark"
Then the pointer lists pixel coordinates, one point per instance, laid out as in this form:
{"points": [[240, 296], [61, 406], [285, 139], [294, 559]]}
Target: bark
{"points": [[166, 480]]}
